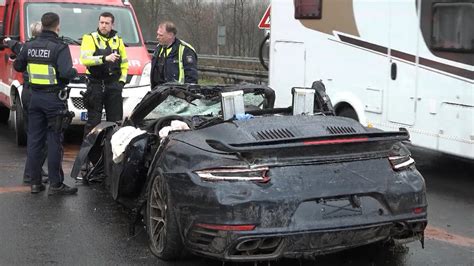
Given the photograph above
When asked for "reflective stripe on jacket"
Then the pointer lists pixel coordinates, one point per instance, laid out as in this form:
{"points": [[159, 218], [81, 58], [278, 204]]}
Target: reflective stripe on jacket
{"points": [[42, 74]]}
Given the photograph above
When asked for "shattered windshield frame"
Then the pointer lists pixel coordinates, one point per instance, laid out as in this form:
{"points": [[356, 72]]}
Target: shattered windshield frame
{"points": [[201, 105]]}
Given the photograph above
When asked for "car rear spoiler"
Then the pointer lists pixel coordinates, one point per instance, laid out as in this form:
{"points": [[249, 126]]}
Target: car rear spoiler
{"points": [[268, 145]]}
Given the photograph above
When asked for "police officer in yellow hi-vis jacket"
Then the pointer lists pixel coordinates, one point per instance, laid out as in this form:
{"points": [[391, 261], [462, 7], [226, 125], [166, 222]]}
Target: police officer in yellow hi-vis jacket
{"points": [[48, 62], [103, 53]]}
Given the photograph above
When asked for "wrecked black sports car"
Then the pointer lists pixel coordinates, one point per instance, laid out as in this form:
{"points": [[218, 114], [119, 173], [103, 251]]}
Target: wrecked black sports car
{"points": [[216, 170]]}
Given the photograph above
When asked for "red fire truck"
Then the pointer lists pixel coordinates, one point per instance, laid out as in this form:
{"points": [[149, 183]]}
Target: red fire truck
{"points": [[77, 18]]}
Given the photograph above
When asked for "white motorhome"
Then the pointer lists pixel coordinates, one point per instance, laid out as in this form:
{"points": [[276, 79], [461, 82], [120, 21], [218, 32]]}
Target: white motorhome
{"points": [[386, 63]]}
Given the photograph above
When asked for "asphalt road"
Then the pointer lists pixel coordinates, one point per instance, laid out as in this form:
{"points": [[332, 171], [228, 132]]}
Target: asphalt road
{"points": [[91, 229]]}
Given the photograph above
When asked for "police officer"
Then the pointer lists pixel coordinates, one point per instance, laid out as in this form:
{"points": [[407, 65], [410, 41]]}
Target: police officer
{"points": [[103, 53], [16, 46], [173, 60], [48, 62]]}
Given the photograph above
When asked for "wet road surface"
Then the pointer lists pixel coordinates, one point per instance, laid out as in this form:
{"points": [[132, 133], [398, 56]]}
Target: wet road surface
{"points": [[90, 228]]}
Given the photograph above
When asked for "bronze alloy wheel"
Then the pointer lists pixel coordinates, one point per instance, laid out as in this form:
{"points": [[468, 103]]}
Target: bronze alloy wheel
{"points": [[165, 240], [157, 218]]}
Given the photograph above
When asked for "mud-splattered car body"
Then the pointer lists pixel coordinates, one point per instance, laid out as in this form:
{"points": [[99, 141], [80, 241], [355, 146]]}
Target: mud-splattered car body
{"points": [[272, 186]]}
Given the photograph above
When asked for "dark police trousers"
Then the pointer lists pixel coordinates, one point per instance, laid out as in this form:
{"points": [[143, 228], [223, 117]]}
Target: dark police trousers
{"points": [[44, 109], [103, 95], [25, 101]]}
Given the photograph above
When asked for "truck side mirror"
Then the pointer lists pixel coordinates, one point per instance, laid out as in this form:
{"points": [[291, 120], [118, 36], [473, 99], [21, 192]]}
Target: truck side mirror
{"points": [[150, 46]]}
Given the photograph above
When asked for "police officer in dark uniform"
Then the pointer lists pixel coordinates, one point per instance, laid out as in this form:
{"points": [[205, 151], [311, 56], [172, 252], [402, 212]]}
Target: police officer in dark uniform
{"points": [[48, 62], [16, 46], [173, 60]]}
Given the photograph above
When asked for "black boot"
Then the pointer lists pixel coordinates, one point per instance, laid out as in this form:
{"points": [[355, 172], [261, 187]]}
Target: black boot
{"points": [[63, 189], [37, 188]]}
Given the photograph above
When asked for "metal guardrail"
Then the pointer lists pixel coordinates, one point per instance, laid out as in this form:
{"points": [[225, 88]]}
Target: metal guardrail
{"points": [[229, 72], [258, 76], [236, 74], [239, 59]]}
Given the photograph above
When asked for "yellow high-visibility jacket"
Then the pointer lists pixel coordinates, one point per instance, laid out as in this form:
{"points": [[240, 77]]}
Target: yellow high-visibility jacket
{"points": [[95, 48]]}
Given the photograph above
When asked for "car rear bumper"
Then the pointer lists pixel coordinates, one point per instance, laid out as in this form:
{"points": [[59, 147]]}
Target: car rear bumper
{"points": [[294, 243], [351, 203]]}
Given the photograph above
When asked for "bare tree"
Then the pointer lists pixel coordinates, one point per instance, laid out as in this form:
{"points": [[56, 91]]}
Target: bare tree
{"points": [[198, 20]]}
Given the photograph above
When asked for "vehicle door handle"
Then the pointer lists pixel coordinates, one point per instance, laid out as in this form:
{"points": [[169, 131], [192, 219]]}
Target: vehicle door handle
{"points": [[393, 71]]}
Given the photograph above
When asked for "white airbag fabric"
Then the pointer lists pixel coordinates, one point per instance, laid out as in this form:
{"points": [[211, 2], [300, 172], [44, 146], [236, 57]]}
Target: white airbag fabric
{"points": [[121, 139], [175, 125]]}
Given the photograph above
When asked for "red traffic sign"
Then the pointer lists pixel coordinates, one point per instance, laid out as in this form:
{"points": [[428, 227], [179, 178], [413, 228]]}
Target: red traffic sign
{"points": [[265, 21]]}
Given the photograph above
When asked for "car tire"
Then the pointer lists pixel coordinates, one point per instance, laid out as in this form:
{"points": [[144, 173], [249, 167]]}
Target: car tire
{"points": [[4, 114], [164, 238], [348, 112], [19, 120]]}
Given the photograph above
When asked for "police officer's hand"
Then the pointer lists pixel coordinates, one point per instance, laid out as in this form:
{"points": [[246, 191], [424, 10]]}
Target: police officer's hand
{"points": [[112, 57]]}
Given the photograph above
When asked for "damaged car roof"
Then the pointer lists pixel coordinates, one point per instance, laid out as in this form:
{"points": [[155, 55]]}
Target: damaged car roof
{"points": [[190, 93]]}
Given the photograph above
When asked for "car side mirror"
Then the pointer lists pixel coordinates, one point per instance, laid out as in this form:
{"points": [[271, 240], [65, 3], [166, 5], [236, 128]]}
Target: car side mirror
{"points": [[12, 56]]}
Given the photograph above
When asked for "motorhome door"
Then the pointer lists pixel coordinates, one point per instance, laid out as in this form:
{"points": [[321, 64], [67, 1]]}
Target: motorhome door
{"points": [[403, 60], [288, 69]]}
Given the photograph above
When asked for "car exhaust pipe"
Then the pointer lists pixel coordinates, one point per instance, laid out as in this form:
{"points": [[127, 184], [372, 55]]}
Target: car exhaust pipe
{"points": [[407, 240], [400, 228], [270, 243], [248, 245]]}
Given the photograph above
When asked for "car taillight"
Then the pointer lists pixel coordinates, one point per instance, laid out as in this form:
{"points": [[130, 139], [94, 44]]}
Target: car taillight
{"points": [[400, 157], [228, 227], [419, 210], [235, 174]]}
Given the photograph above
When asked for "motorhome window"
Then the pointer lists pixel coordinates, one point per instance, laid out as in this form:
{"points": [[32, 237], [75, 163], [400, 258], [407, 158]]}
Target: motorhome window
{"points": [[452, 28], [79, 19], [308, 9]]}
